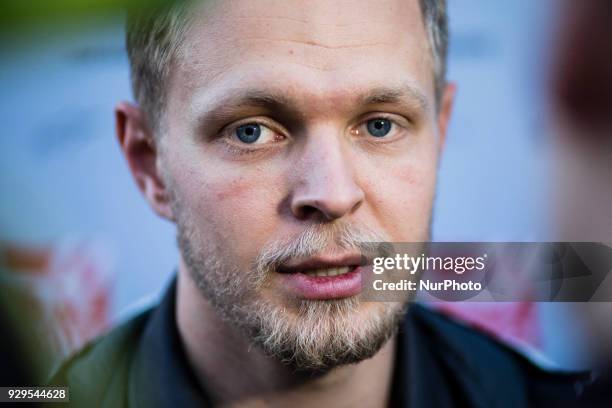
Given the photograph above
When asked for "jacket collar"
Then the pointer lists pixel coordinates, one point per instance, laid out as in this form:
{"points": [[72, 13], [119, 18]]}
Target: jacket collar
{"points": [[160, 375], [439, 363]]}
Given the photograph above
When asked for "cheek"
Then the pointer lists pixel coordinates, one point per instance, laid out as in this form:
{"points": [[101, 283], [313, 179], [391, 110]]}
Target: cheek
{"points": [[237, 212], [402, 199], [411, 188]]}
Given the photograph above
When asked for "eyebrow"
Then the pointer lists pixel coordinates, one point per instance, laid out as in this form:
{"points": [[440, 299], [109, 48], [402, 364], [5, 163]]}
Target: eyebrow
{"points": [[402, 94], [283, 105], [234, 101], [262, 99]]}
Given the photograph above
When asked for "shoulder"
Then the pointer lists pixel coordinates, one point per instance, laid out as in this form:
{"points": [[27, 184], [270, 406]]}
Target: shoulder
{"points": [[99, 371], [457, 337], [467, 340], [483, 360]]}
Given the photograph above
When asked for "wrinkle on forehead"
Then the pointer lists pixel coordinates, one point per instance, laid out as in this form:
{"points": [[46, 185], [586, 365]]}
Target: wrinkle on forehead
{"points": [[239, 39], [321, 23], [314, 43], [290, 19], [222, 100]]}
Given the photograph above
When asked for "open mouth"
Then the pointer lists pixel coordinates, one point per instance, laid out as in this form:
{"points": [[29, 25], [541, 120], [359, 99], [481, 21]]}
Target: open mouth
{"points": [[324, 265], [334, 271], [324, 277]]}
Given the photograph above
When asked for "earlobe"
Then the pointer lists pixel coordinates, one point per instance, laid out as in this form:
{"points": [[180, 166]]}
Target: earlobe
{"points": [[139, 148], [446, 109]]}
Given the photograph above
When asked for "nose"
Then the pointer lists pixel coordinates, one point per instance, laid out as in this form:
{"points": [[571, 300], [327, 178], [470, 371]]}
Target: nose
{"points": [[325, 187]]}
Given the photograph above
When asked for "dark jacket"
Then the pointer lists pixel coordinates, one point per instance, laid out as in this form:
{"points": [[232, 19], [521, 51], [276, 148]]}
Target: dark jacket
{"points": [[439, 363]]}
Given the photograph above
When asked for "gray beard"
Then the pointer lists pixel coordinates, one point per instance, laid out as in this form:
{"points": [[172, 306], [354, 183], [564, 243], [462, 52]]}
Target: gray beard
{"points": [[309, 335]]}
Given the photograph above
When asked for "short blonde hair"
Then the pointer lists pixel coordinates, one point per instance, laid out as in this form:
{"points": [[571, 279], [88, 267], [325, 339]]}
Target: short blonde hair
{"points": [[155, 35]]}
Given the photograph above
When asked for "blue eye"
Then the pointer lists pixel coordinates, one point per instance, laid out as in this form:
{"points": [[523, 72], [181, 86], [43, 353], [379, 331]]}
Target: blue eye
{"points": [[248, 133], [379, 127]]}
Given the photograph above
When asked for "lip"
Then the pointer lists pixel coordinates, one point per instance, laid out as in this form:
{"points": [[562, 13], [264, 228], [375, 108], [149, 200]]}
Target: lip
{"points": [[324, 287], [323, 261]]}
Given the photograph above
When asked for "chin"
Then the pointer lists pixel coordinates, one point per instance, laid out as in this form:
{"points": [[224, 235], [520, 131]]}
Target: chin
{"points": [[311, 335]]}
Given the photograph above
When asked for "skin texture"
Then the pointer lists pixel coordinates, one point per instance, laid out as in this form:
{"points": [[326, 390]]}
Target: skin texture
{"points": [[313, 73]]}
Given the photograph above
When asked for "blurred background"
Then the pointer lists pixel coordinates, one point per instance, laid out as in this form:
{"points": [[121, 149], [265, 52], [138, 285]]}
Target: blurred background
{"points": [[79, 239]]}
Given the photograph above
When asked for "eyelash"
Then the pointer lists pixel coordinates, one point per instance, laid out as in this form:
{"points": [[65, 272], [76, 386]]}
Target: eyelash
{"points": [[228, 133], [240, 151], [391, 118], [238, 148]]}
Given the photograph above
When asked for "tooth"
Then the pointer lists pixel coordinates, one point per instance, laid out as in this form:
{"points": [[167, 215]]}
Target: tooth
{"points": [[328, 271]]}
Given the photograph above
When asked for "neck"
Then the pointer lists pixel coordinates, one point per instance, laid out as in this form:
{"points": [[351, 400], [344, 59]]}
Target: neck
{"points": [[236, 374]]}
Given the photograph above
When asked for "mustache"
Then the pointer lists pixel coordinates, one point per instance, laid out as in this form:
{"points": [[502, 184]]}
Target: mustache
{"points": [[314, 240]]}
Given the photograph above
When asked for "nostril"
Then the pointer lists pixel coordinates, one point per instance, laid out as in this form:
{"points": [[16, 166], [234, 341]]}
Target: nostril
{"points": [[308, 211]]}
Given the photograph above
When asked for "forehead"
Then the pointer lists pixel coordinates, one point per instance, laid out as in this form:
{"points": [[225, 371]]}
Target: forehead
{"points": [[317, 50]]}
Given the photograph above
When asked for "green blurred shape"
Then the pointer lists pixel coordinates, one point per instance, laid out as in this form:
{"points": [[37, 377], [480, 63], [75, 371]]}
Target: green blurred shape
{"points": [[18, 15]]}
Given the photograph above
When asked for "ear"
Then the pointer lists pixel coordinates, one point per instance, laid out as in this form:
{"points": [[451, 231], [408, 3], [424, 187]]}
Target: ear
{"points": [[139, 148], [445, 112]]}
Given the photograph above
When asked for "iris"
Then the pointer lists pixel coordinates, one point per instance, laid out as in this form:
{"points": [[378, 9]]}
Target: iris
{"points": [[379, 127], [248, 133]]}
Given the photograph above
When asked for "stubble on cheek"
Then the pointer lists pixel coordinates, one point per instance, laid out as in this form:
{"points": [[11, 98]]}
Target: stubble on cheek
{"points": [[230, 215]]}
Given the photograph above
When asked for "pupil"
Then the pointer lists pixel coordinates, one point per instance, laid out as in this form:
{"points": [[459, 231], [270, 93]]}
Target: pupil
{"points": [[248, 133], [379, 127]]}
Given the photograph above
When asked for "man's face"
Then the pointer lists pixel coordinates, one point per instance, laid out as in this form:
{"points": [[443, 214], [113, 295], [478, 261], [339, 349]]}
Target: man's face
{"points": [[293, 131]]}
